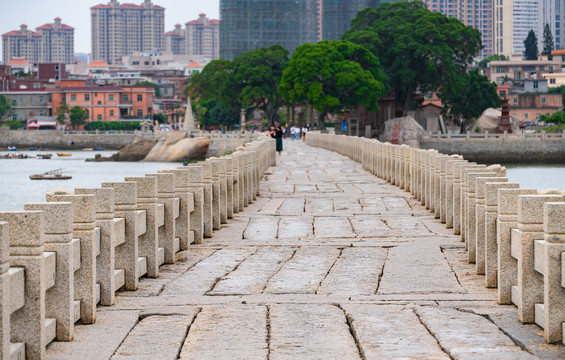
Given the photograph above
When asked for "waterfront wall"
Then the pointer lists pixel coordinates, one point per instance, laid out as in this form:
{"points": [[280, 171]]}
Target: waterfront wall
{"points": [[61, 258], [499, 149], [514, 236]]}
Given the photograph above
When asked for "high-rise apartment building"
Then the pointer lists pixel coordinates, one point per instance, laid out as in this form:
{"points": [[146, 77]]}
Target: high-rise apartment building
{"points": [[557, 23], [21, 43], [122, 29], [337, 15], [175, 41], [503, 27], [252, 24], [203, 37], [57, 43]]}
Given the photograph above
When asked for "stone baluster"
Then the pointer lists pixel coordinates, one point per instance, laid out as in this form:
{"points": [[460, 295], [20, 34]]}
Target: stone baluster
{"points": [[84, 229], [228, 161], [243, 177], [107, 225], [196, 187], [148, 241], [250, 177], [4, 291], [436, 190], [127, 253], [480, 221], [27, 324], [59, 299], [553, 271], [459, 198], [530, 229], [491, 215], [451, 169], [201, 177], [167, 233], [182, 191], [223, 192], [216, 199]]}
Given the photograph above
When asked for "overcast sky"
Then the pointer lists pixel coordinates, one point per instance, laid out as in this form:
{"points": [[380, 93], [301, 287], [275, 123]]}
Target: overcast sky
{"points": [[76, 13]]}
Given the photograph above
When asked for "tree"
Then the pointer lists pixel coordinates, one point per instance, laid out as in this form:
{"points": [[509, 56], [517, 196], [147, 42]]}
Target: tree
{"points": [[547, 40], [531, 46], [483, 64], [78, 116], [154, 86], [557, 118], [256, 75], [61, 112], [213, 112], [419, 50], [160, 117], [470, 95], [333, 76], [5, 107]]}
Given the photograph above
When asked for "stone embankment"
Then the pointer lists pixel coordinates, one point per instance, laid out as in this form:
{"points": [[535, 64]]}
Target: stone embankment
{"points": [[61, 259], [515, 237]]}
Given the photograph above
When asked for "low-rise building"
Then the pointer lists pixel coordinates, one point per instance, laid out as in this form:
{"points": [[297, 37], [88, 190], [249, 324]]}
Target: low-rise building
{"points": [[29, 104], [522, 70], [528, 107]]}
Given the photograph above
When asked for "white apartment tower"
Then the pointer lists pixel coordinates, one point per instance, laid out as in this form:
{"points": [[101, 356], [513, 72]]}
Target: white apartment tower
{"points": [[57, 43], [122, 29], [203, 37]]}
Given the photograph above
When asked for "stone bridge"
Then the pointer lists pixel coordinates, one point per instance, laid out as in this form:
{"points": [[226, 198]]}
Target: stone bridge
{"points": [[378, 252]]}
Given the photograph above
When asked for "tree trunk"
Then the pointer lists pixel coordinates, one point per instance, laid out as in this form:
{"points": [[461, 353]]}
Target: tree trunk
{"points": [[321, 120]]}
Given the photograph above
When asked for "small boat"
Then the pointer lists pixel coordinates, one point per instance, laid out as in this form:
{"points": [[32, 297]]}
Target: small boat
{"points": [[99, 148], [12, 148], [32, 148], [45, 156], [64, 154], [56, 174]]}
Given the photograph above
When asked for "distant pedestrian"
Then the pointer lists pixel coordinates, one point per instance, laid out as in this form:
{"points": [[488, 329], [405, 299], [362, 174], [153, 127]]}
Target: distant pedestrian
{"points": [[292, 133], [304, 131], [279, 141]]}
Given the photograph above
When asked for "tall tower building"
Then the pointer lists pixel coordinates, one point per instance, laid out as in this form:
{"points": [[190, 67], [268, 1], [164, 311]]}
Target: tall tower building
{"points": [[558, 25], [119, 30], [527, 16], [203, 37], [175, 41], [252, 24], [337, 15], [503, 27], [21, 43], [57, 43]]}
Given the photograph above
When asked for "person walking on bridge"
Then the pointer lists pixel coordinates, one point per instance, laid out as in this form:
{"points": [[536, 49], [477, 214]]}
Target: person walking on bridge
{"points": [[277, 134]]}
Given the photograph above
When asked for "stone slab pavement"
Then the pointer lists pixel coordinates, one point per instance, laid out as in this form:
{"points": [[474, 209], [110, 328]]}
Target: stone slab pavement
{"points": [[329, 263]]}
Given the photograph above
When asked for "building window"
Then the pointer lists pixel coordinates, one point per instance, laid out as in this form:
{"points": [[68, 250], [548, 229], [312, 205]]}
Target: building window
{"points": [[86, 97], [32, 99], [111, 112], [73, 97], [515, 100], [552, 81], [14, 103], [502, 93], [525, 115], [543, 100], [140, 98], [99, 102], [140, 113], [36, 85], [41, 113], [536, 85], [111, 97], [41, 99], [15, 117], [500, 69], [99, 117], [126, 98]]}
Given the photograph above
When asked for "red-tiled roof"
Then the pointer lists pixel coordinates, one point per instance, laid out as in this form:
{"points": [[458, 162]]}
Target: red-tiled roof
{"points": [[18, 62], [193, 22], [50, 26], [92, 88], [558, 52], [214, 21], [98, 64], [194, 64], [127, 6], [100, 6], [19, 33]]}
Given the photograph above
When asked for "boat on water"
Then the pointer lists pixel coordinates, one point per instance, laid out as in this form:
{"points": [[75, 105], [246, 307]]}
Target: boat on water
{"points": [[64, 154], [14, 156], [45, 156], [32, 148], [56, 174], [99, 148], [12, 148]]}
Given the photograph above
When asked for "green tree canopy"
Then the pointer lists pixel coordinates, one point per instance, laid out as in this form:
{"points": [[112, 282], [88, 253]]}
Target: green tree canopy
{"points": [[484, 62], [256, 75], [61, 112], [154, 86], [531, 46], [160, 117], [212, 112], [333, 76], [78, 116], [547, 40], [470, 95], [5, 107], [419, 50]]}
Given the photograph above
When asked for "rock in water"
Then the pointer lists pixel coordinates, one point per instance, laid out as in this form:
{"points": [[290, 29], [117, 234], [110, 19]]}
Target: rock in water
{"points": [[405, 130], [178, 147], [488, 121]]}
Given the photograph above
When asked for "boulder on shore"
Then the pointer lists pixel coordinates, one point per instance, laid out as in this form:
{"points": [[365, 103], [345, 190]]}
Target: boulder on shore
{"points": [[405, 130], [489, 120], [179, 147]]}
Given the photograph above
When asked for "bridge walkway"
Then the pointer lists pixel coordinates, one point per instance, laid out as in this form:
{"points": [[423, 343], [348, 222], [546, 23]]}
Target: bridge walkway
{"points": [[329, 263]]}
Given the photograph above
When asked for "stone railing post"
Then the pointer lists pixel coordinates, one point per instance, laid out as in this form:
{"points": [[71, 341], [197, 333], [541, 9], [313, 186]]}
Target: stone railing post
{"points": [[4, 291], [223, 191], [201, 177], [148, 242], [235, 181], [480, 221], [167, 232], [228, 162], [213, 169], [446, 190], [84, 229], [491, 215], [27, 324], [59, 299], [107, 223], [553, 271], [460, 198], [530, 229], [127, 253]]}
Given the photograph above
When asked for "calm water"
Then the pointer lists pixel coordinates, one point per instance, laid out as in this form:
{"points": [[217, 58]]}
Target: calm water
{"points": [[16, 188]]}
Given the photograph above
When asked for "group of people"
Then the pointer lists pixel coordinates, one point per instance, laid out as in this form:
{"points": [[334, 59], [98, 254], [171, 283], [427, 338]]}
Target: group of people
{"points": [[279, 132]]}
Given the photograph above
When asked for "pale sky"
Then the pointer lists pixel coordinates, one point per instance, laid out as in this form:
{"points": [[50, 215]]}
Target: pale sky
{"points": [[76, 13]]}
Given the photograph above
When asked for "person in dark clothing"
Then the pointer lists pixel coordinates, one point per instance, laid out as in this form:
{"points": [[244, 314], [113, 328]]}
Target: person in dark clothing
{"points": [[278, 137]]}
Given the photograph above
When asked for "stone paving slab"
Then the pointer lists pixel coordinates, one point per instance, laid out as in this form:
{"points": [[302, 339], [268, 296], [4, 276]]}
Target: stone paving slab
{"points": [[332, 227]]}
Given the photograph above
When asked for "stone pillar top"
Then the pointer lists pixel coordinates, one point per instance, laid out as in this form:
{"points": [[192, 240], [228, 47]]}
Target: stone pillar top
{"points": [[104, 201], [480, 188], [471, 177], [196, 172], [530, 207], [4, 246], [206, 170], [467, 168], [553, 224], [146, 186], [26, 231], [491, 191], [125, 193], [182, 177], [508, 200], [58, 218], [215, 164], [229, 163], [165, 182]]}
